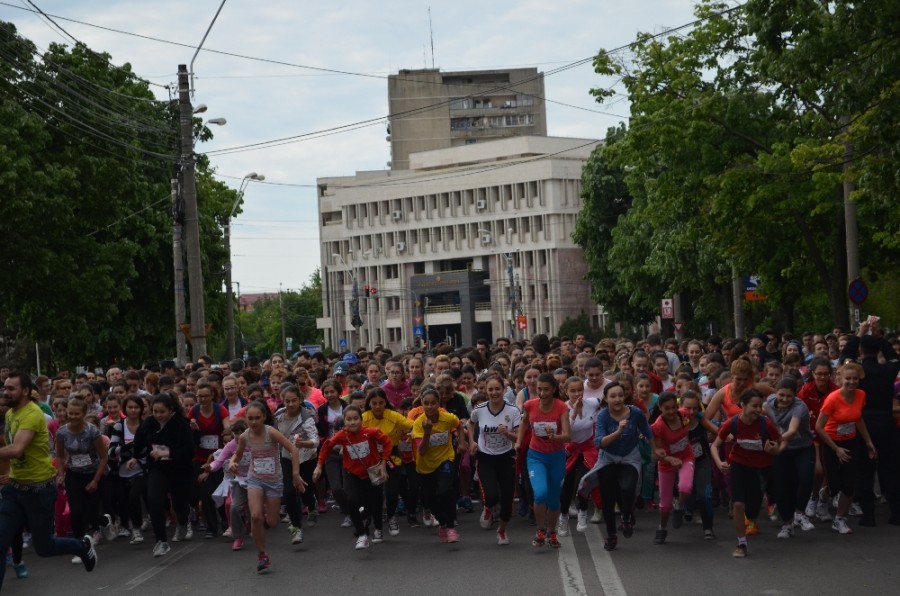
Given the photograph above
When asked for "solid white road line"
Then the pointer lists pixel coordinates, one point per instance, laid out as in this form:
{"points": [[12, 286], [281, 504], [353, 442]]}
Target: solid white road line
{"points": [[570, 569], [603, 564], [164, 564]]}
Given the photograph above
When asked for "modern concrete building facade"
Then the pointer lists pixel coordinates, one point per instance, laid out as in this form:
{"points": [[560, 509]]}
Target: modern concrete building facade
{"points": [[471, 242], [436, 110]]}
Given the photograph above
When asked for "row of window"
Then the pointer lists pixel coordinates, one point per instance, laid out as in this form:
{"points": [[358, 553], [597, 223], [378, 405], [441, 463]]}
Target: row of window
{"points": [[486, 103], [484, 122]]}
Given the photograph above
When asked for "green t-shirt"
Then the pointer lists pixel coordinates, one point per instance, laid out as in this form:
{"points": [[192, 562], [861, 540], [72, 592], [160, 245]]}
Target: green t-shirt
{"points": [[35, 464]]}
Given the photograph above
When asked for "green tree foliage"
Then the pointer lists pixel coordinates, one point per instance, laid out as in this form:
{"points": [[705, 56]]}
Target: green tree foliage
{"points": [[86, 159], [735, 156], [260, 328]]}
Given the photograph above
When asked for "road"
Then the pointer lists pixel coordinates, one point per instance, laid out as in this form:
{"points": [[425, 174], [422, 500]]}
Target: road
{"points": [[415, 563]]}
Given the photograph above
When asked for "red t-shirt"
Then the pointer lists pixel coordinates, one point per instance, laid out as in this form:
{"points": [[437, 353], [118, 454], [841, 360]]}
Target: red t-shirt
{"points": [[748, 444], [210, 432], [675, 442], [814, 400], [843, 415], [543, 423]]}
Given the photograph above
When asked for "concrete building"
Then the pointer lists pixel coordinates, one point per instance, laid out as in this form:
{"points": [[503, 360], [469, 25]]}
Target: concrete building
{"points": [[436, 110], [471, 242]]}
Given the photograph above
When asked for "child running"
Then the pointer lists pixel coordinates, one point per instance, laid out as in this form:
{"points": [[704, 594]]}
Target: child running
{"points": [[675, 461]]}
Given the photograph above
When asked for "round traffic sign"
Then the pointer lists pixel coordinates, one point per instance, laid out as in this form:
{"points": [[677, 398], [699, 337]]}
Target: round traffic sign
{"points": [[858, 291]]}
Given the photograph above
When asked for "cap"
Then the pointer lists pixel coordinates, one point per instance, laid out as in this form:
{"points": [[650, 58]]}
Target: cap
{"points": [[350, 358], [341, 368]]}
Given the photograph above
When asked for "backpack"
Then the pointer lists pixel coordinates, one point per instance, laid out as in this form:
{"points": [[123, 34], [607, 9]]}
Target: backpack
{"points": [[763, 427], [195, 414]]}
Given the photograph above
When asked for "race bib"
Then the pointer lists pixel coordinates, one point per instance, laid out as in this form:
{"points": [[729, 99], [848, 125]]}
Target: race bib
{"points": [[751, 444], [359, 450], [846, 429], [680, 446], [209, 442], [163, 448], [80, 460], [439, 439], [495, 441], [265, 466], [698, 450], [543, 429], [404, 447]]}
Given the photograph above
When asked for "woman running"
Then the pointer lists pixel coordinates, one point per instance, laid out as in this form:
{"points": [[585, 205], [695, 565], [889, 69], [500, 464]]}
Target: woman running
{"points": [[756, 442], [547, 418], [237, 484], [581, 453], [166, 441], [264, 478], [298, 423], [675, 463], [497, 423], [618, 469], [131, 484], [380, 414], [365, 453], [841, 426], [698, 432], [433, 434], [794, 467], [813, 393]]}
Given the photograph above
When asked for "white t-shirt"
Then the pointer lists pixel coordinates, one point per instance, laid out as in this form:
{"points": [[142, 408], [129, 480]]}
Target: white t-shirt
{"points": [[595, 393], [489, 440], [583, 425]]}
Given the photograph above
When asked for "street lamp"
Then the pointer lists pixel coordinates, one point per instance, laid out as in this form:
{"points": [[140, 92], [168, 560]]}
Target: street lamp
{"points": [[355, 319], [229, 300]]}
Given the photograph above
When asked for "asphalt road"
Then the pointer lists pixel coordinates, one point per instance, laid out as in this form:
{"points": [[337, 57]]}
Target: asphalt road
{"points": [[817, 562]]}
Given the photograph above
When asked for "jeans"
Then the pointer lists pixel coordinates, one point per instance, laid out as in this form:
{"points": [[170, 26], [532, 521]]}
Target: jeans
{"points": [[793, 472], [33, 509]]}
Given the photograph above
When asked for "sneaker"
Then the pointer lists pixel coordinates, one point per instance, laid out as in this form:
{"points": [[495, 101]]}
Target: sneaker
{"points": [[840, 526], [660, 537], [786, 532], [540, 537], [709, 535], [378, 537], [180, 533], [362, 542], [740, 552], [227, 533], [21, 570], [322, 507], [688, 516], [822, 511], [26, 539], [597, 517], [97, 537], [189, 532], [582, 521], [562, 528], [553, 541], [393, 527], [452, 535], [146, 525], [137, 537], [412, 520], [347, 522], [465, 503], [752, 527], [124, 532], [773, 513], [76, 560], [486, 518], [611, 543], [263, 563], [428, 520], [573, 509], [89, 558], [161, 548], [855, 510], [312, 518], [110, 531], [442, 535], [628, 528], [502, 539], [802, 521], [811, 507], [296, 534], [209, 535], [238, 544], [677, 518]]}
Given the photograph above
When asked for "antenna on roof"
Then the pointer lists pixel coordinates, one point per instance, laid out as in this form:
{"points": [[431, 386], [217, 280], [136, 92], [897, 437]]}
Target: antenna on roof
{"points": [[431, 30]]}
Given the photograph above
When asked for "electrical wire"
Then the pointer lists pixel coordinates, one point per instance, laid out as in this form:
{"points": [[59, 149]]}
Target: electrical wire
{"points": [[130, 215]]}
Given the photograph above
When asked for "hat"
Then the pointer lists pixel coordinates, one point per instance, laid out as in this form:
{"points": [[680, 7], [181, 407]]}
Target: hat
{"points": [[761, 337], [341, 368], [350, 358]]}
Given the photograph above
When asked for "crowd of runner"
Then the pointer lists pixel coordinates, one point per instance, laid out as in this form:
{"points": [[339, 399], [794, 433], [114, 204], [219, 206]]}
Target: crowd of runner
{"points": [[803, 431]]}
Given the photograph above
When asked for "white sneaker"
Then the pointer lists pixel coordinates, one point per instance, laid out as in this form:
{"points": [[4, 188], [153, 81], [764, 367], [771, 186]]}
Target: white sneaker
{"points": [[347, 522], [840, 526], [802, 521], [76, 560], [362, 542], [124, 532], [562, 528], [582, 521], [786, 532], [393, 527], [137, 537], [377, 537], [189, 533], [822, 510], [811, 507], [855, 510], [428, 520], [485, 519], [161, 548], [296, 534], [110, 531], [573, 509], [597, 517]]}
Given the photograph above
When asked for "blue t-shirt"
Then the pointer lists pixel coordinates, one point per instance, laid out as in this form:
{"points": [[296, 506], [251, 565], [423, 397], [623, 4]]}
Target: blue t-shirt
{"points": [[628, 440]]}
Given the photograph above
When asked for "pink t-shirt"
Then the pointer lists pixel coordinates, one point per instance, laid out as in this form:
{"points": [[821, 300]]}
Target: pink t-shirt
{"points": [[675, 442], [543, 423]]}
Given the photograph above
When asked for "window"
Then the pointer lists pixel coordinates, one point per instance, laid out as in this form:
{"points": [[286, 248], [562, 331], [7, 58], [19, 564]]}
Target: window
{"points": [[482, 103], [460, 103], [392, 271], [524, 100], [419, 268]]}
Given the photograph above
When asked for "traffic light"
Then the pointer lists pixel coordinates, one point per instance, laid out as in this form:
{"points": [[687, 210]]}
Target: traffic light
{"points": [[369, 290]]}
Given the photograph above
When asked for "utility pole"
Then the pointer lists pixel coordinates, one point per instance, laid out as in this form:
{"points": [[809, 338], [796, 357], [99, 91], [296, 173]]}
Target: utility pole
{"points": [[737, 289], [229, 300], [191, 216], [283, 336], [850, 224], [178, 255], [512, 296]]}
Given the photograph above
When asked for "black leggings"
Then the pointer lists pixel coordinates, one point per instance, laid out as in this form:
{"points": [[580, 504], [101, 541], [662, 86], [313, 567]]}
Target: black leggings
{"points": [[411, 478], [160, 484], [793, 478], [366, 502], [128, 495], [334, 472], [618, 484], [570, 484], [393, 489], [843, 477], [84, 507], [439, 493], [291, 498], [201, 492], [497, 475]]}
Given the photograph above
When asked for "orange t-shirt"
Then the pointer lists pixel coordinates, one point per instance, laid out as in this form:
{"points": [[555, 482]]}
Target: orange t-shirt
{"points": [[843, 415]]}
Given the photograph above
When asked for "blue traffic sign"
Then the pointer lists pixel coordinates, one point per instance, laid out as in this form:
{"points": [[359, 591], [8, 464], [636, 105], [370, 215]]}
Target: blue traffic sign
{"points": [[418, 331], [858, 291], [342, 343]]}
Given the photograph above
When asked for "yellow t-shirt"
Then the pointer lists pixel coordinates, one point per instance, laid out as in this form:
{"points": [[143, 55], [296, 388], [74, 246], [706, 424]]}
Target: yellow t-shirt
{"points": [[441, 442], [35, 464], [393, 424]]}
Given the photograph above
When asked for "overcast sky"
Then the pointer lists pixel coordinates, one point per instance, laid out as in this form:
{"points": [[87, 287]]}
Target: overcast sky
{"points": [[275, 239]]}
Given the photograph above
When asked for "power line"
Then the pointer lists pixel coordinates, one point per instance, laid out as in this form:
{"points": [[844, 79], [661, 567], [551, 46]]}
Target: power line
{"points": [[130, 215]]}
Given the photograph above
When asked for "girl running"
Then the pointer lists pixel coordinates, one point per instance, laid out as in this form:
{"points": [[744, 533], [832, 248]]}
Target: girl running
{"points": [[547, 418], [264, 478], [365, 454], [581, 453], [675, 462], [130, 485], [298, 423], [497, 423], [237, 484], [698, 431]]}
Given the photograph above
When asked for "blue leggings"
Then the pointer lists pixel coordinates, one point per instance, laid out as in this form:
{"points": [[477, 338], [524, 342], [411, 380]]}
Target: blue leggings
{"points": [[546, 472]]}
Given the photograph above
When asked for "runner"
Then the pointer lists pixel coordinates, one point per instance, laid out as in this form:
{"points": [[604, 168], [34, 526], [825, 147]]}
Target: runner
{"points": [[298, 422], [497, 423], [237, 484], [208, 420], [130, 485], [675, 462], [264, 478], [813, 393], [698, 431], [547, 418], [581, 453]]}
